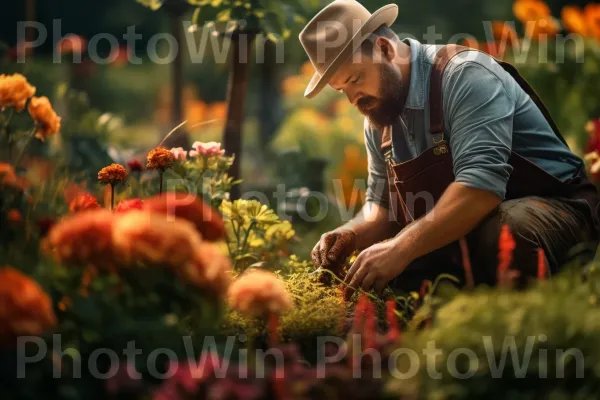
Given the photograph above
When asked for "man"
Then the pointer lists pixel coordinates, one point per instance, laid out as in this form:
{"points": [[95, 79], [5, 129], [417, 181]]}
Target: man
{"points": [[458, 146]]}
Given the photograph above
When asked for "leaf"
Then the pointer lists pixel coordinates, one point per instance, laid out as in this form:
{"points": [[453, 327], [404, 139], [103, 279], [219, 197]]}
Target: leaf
{"points": [[224, 15]]}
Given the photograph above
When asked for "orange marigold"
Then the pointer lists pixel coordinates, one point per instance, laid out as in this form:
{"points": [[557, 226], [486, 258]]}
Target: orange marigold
{"points": [[592, 19], [83, 238], [159, 158], [14, 91], [83, 201], [574, 20], [530, 10], [48, 123], [207, 220], [112, 174], [540, 28], [259, 292], [25, 309], [140, 236], [209, 268]]}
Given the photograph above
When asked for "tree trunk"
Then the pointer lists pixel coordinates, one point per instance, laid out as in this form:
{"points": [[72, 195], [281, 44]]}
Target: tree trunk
{"points": [[236, 99], [181, 138], [270, 110]]}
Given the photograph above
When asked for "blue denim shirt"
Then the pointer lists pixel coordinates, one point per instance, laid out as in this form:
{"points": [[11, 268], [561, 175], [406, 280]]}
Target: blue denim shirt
{"points": [[486, 115]]}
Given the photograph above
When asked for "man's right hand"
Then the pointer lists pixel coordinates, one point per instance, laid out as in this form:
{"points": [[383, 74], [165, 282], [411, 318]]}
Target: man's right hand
{"points": [[333, 248]]}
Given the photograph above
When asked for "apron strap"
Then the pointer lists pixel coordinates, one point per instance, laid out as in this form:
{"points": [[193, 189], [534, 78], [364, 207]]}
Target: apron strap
{"points": [[442, 58]]}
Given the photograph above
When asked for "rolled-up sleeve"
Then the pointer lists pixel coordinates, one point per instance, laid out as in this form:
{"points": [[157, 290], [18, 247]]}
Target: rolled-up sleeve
{"points": [[377, 184], [479, 113]]}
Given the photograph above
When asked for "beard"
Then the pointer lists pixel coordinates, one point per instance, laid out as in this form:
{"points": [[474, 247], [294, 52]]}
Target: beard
{"points": [[384, 110]]}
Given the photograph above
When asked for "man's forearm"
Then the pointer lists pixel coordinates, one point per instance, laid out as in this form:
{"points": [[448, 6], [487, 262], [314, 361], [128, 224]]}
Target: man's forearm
{"points": [[372, 225], [458, 212]]}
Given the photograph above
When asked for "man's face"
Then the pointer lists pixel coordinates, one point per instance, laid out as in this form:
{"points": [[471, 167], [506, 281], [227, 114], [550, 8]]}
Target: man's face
{"points": [[375, 88]]}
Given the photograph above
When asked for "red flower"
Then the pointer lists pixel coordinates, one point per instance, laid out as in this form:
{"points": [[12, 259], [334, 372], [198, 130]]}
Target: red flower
{"points": [[14, 216], [128, 205], [393, 330], [506, 246], [207, 220], [25, 309], [83, 201], [135, 166], [466, 261], [593, 129], [370, 326]]}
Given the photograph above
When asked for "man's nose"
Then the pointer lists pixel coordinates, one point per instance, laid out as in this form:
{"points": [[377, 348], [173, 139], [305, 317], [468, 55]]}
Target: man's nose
{"points": [[353, 98]]}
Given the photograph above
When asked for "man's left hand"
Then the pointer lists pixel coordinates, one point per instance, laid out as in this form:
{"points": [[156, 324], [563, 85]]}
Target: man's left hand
{"points": [[376, 266]]}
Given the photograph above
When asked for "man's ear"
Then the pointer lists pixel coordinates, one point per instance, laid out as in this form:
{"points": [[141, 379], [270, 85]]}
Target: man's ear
{"points": [[386, 47]]}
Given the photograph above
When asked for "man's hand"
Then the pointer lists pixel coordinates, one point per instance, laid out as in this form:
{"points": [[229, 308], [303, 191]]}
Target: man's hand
{"points": [[376, 266], [333, 248]]}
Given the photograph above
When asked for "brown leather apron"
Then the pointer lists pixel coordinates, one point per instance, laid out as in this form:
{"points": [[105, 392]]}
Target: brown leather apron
{"points": [[432, 172]]}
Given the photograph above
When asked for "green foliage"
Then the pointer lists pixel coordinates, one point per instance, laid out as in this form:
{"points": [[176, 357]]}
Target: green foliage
{"points": [[545, 321]]}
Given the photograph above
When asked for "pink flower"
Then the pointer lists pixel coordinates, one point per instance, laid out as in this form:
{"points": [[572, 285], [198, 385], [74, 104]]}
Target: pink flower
{"points": [[179, 153], [208, 149], [128, 205]]}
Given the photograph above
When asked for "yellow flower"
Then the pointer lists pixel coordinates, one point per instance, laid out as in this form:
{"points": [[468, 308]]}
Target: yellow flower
{"points": [[112, 174], [283, 230], [14, 91], [248, 211], [159, 158], [41, 111]]}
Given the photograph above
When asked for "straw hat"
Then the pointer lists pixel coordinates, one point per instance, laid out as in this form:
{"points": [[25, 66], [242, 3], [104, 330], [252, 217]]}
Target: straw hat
{"points": [[335, 33]]}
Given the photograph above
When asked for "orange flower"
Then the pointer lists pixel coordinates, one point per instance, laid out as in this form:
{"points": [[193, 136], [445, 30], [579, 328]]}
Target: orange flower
{"points": [[504, 33], [140, 236], [14, 215], [14, 91], [574, 20], [112, 174], [9, 177], [209, 268], [25, 309], [259, 292], [541, 28], [48, 123], [393, 332], [159, 158], [207, 220], [128, 205], [592, 19], [83, 238], [530, 10], [83, 201]]}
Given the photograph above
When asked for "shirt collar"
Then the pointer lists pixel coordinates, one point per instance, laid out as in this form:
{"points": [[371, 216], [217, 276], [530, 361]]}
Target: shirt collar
{"points": [[416, 89]]}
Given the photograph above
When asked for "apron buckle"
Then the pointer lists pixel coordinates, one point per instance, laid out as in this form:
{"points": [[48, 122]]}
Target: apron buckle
{"points": [[441, 149]]}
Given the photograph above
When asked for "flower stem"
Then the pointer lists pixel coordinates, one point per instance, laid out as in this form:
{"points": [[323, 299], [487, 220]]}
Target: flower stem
{"points": [[25, 146], [160, 187], [112, 196]]}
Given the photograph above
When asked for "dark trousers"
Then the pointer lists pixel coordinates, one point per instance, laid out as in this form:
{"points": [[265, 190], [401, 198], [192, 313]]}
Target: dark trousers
{"points": [[556, 225]]}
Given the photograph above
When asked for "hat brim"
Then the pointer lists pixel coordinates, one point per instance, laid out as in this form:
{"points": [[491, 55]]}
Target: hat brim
{"points": [[385, 15]]}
